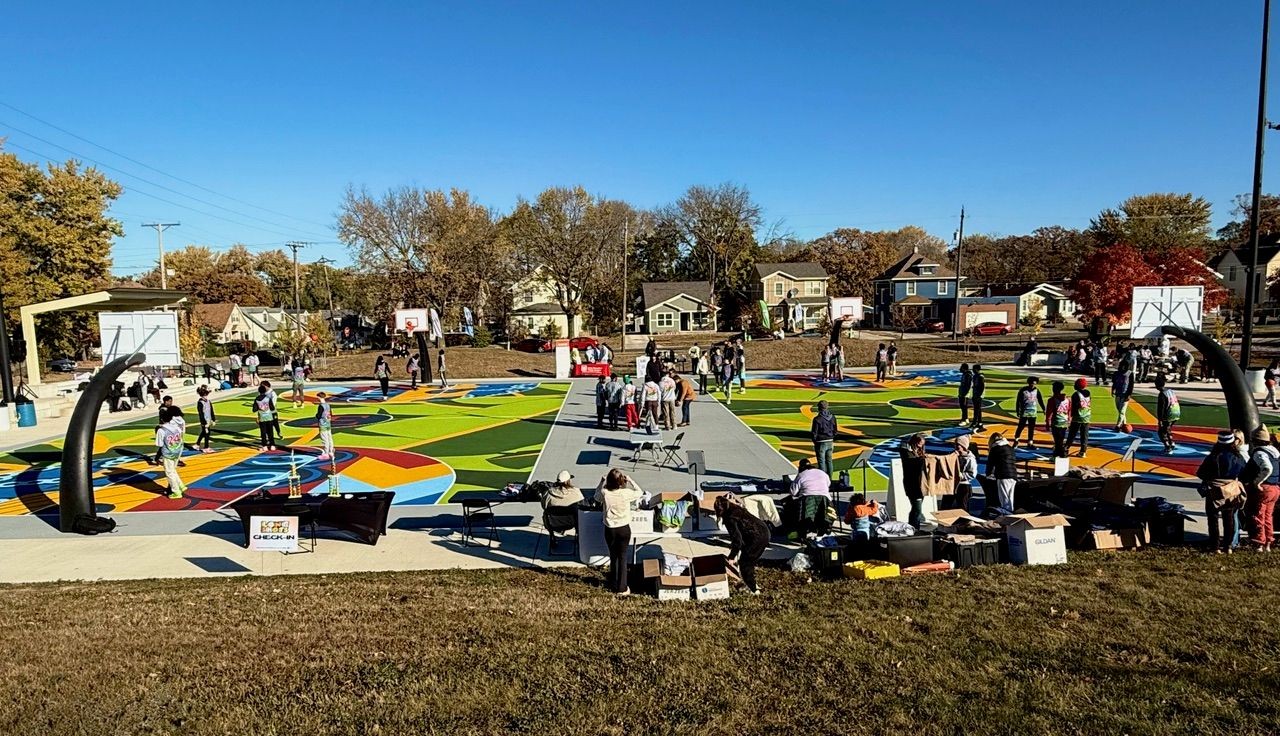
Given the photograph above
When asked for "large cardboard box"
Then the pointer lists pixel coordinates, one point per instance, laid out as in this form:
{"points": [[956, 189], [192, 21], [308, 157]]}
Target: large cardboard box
{"points": [[707, 522], [643, 520], [710, 578], [1133, 538], [1036, 539], [667, 587]]}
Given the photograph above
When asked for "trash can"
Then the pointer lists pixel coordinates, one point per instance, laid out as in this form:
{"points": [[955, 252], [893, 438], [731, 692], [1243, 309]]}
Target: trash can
{"points": [[1253, 379], [26, 413]]}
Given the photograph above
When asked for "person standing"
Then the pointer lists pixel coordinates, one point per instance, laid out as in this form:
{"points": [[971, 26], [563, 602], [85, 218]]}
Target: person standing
{"points": [[703, 368], [1002, 465], [251, 363], [169, 443], [1028, 407], [602, 401], [412, 369], [299, 385], [264, 411], [748, 539], [629, 403], [740, 366], [233, 366], [826, 360], [839, 362], [1100, 364], [823, 433], [614, 396], [912, 453], [668, 387], [891, 354], [966, 473], [162, 417], [1220, 469], [1269, 380], [726, 381], [979, 390], [444, 374], [686, 395], [382, 372], [882, 363], [618, 495], [962, 393], [1057, 418], [1168, 412], [1262, 478], [717, 366], [652, 397], [207, 417], [324, 422], [1122, 391], [1081, 415], [695, 353]]}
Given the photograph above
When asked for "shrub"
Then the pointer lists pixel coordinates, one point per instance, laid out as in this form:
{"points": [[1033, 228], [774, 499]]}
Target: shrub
{"points": [[550, 330], [482, 337]]}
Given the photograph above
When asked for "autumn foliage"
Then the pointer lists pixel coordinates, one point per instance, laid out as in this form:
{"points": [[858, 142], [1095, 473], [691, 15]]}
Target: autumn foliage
{"points": [[1104, 287]]}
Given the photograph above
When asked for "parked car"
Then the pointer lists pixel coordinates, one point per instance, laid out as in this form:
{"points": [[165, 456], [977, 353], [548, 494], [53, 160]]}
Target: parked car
{"points": [[990, 328], [582, 342], [533, 345], [933, 325], [63, 365]]}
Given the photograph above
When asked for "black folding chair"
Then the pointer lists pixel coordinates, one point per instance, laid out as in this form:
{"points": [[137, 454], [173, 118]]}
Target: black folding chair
{"points": [[558, 520], [672, 449], [477, 513]]}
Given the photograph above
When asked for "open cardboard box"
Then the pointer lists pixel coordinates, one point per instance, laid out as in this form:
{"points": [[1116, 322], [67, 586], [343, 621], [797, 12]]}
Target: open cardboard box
{"points": [[1132, 538], [668, 587], [710, 577], [707, 520], [1036, 539]]}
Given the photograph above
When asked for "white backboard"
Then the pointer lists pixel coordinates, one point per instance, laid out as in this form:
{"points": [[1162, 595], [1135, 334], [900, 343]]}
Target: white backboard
{"points": [[846, 306], [152, 333], [411, 320], [1157, 306]]}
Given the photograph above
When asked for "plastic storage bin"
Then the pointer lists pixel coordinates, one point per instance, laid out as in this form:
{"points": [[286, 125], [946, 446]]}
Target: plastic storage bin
{"points": [[871, 570]]}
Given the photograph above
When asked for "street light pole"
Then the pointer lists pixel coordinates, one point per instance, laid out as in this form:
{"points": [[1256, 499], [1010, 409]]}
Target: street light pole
{"points": [[1251, 286], [955, 317], [626, 235]]}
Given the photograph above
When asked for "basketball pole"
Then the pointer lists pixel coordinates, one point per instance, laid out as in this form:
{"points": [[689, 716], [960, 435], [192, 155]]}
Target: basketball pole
{"points": [[6, 368], [1252, 286]]}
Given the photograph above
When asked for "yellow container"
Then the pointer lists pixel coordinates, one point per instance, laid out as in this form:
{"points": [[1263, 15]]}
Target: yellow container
{"points": [[871, 570]]}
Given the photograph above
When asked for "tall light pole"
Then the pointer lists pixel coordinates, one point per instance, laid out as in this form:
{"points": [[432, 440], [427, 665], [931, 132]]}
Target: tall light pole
{"points": [[294, 245], [955, 317], [626, 236], [1255, 212], [325, 261], [160, 228]]}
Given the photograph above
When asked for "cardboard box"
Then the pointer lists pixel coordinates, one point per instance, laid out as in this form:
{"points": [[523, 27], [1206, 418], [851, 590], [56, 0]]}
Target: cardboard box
{"points": [[643, 520], [710, 578], [1036, 539], [667, 587], [1116, 539], [707, 522]]}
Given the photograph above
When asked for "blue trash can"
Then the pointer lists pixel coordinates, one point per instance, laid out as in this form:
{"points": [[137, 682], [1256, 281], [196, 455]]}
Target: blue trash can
{"points": [[26, 413]]}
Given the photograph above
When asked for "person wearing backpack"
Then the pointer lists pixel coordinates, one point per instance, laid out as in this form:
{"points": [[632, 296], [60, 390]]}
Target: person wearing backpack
{"points": [[264, 411], [1057, 417], [1030, 403], [1081, 416], [1168, 412], [1222, 492], [169, 442]]}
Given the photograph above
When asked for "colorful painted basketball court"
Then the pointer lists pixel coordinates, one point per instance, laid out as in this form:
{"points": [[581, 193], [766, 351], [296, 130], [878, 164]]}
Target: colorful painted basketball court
{"points": [[780, 407], [426, 445]]}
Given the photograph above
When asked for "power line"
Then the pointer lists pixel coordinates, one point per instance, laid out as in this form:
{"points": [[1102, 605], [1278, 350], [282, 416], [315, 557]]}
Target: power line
{"points": [[160, 228], [152, 168]]}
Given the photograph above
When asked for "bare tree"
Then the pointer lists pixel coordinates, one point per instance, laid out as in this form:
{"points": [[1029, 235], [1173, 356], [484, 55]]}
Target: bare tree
{"points": [[717, 226]]}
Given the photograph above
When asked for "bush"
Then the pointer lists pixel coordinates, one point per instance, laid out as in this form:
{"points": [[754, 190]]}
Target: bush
{"points": [[482, 337], [550, 330]]}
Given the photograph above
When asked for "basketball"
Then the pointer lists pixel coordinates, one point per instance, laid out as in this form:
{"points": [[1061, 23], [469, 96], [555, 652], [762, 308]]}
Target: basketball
{"points": [[1128, 429]]}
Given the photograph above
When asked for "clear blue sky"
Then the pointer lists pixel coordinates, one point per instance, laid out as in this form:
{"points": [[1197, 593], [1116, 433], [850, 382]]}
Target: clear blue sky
{"points": [[851, 113]]}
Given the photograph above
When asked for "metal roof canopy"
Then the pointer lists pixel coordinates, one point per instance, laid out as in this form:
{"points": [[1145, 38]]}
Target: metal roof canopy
{"points": [[108, 300]]}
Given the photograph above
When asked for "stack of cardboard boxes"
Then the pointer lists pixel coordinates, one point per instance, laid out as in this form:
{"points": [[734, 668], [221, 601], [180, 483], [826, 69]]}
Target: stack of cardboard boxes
{"points": [[707, 579]]}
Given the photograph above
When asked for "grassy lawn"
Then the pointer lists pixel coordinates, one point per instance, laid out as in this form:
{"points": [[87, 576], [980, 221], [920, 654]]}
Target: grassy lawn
{"points": [[1157, 641]]}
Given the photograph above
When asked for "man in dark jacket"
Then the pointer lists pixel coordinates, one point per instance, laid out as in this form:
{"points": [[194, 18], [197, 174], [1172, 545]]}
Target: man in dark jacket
{"points": [[823, 431], [962, 395], [979, 388], [1002, 466]]}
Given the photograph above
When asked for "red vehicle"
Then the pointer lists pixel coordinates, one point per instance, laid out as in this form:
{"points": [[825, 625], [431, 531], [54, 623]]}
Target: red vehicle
{"points": [[933, 325], [990, 328], [533, 345], [583, 342]]}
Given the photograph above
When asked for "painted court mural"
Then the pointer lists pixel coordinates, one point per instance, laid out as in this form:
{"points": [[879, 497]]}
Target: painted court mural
{"points": [[427, 446], [779, 407]]}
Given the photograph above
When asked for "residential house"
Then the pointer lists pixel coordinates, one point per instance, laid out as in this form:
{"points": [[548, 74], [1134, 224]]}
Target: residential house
{"points": [[534, 305], [223, 322], [784, 287], [264, 324], [1049, 301], [677, 306], [917, 283], [1232, 267]]}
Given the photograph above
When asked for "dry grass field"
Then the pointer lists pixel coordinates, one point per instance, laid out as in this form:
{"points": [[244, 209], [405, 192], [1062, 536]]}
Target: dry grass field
{"points": [[1150, 642]]}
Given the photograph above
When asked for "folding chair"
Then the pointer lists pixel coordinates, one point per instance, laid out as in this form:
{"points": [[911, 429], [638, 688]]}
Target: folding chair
{"points": [[558, 519], [477, 513], [672, 449]]}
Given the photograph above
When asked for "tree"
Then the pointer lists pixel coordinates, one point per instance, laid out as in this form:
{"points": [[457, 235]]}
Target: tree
{"points": [[716, 228], [1236, 232], [213, 278], [55, 242], [1105, 285], [423, 248], [1155, 223], [191, 339], [320, 335], [572, 237], [1047, 254], [1184, 267]]}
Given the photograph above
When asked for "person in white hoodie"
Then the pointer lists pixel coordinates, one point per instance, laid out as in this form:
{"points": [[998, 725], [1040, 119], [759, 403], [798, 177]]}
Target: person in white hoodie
{"points": [[169, 441]]}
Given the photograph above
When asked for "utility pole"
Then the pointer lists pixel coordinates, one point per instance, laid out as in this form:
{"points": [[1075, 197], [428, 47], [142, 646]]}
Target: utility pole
{"points": [[1251, 286], [955, 318], [626, 237], [160, 228], [294, 245], [325, 261], [6, 368]]}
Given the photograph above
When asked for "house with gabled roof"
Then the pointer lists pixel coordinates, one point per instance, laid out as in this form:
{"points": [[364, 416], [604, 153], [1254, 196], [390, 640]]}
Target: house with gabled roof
{"points": [[678, 306], [917, 283], [794, 293]]}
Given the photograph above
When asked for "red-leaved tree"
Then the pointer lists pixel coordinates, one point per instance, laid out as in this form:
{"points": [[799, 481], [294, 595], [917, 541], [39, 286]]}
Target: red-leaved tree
{"points": [[1185, 267], [1104, 287]]}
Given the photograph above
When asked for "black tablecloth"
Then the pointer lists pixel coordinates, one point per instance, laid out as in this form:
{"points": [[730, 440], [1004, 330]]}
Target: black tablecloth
{"points": [[363, 514]]}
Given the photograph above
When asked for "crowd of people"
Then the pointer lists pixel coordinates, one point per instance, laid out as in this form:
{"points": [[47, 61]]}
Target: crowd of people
{"points": [[1145, 359]]}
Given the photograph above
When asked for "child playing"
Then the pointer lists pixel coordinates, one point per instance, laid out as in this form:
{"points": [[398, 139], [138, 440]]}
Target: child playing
{"points": [[324, 420], [169, 442], [1030, 404], [204, 411], [299, 385], [1168, 412], [264, 410]]}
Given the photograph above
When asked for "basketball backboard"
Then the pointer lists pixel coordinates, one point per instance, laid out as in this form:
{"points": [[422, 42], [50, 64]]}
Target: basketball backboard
{"points": [[1157, 306], [411, 320]]}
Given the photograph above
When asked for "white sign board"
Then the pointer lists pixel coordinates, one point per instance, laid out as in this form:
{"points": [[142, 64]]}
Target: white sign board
{"points": [[846, 307], [1157, 306], [273, 533], [411, 320], [562, 358], [152, 333]]}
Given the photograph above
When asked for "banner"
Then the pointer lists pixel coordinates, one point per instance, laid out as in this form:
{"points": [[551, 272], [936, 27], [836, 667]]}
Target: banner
{"points": [[273, 533], [468, 326], [435, 332], [765, 322]]}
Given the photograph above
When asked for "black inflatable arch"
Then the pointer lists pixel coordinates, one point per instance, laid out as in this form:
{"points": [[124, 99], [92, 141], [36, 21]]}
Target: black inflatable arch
{"points": [[1242, 412]]}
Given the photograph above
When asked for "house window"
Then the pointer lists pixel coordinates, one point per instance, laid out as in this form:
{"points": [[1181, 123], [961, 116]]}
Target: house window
{"points": [[778, 288], [942, 288], [926, 270], [813, 288], [666, 319], [911, 288], [1231, 273]]}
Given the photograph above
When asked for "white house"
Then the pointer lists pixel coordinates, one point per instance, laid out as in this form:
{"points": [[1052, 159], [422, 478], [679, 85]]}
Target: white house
{"points": [[534, 304]]}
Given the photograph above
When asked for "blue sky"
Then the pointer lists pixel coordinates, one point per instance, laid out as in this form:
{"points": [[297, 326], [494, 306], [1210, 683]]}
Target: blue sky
{"points": [[861, 114]]}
